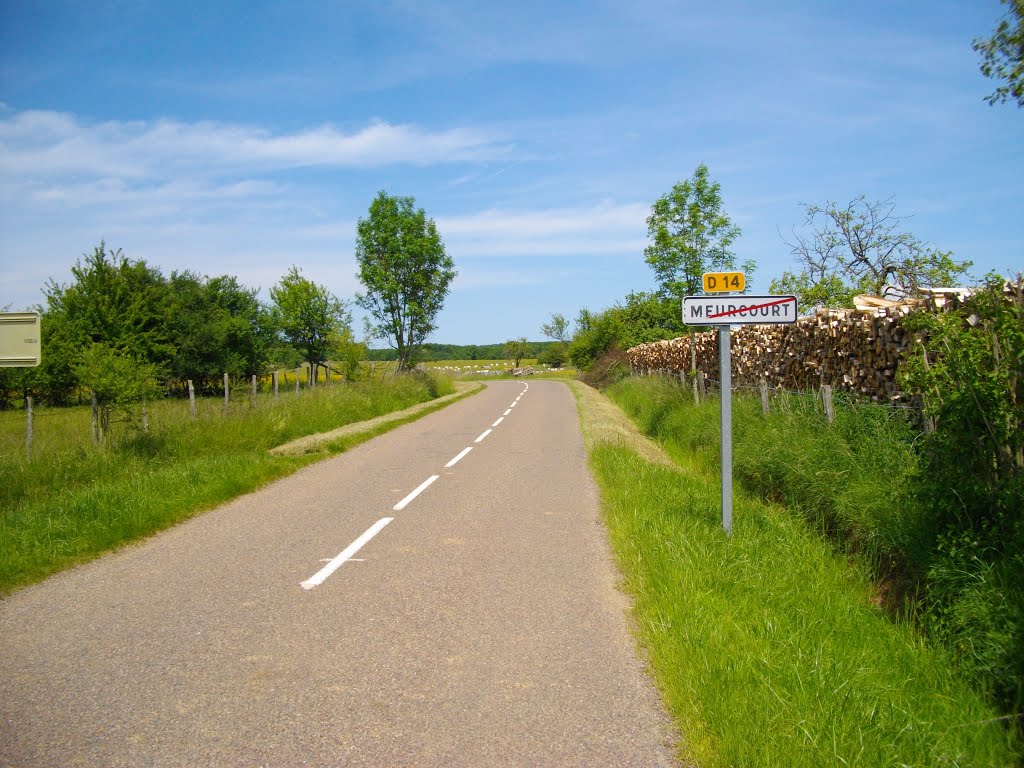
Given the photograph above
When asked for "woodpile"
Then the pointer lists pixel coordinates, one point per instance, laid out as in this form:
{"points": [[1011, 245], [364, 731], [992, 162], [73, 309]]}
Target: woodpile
{"points": [[854, 350]]}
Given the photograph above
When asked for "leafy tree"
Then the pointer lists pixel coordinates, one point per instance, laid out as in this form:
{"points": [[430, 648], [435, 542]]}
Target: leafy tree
{"points": [[220, 327], [690, 235], [115, 381], [516, 349], [555, 356], [405, 270], [826, 290], [557, 328], [115, 301], [643, 317], [311, 319], [1002, 55], [861, 248]]}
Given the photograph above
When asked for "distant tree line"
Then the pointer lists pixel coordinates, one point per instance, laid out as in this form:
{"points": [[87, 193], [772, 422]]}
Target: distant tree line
{"points": [[436, 352]]}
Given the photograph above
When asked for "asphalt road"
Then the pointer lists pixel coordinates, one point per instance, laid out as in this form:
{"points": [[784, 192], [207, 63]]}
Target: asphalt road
{"points": [[481, 625]]}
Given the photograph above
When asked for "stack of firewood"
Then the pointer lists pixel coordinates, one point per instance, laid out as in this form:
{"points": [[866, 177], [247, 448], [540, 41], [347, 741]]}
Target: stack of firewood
{"points": [[856, 350]]}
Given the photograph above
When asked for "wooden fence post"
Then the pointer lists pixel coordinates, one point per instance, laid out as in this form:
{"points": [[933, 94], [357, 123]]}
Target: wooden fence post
{"points": [[826, 396], [297, 371], [191, 400], [28, 434], [95, 421], [702, 387], [145, 418], [763, 386], [275, 384], [693, 357]]}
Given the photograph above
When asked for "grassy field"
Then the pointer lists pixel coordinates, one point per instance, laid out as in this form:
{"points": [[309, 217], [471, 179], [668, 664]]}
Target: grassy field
{"points": [[72, 501], [768, 646], [495, 369]]}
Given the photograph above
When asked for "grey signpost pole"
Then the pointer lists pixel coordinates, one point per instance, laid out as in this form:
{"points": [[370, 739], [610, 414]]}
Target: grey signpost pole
{"points": [[718, 310], [725, 400]]}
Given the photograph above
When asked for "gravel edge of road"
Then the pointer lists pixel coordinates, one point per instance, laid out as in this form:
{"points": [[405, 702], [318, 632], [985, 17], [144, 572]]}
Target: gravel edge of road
{"points": [[373, 427], [602, 421]]}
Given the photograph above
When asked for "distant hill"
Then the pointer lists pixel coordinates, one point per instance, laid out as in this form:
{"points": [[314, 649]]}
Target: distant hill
{"points": [[462, 351]]}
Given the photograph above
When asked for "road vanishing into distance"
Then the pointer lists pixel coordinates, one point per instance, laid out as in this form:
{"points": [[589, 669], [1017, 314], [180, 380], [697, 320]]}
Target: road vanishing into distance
{"points": [[442, 595]]}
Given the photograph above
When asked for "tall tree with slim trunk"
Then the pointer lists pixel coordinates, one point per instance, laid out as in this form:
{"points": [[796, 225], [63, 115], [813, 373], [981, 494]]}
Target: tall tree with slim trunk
{"points": [[690, 234], [405, 270]]}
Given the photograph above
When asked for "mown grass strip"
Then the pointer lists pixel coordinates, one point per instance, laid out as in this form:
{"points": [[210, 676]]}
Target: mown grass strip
{"points": [[766, 646]]}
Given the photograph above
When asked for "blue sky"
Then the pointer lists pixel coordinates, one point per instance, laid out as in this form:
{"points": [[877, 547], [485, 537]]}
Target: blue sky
{"points": [[244, 137]]}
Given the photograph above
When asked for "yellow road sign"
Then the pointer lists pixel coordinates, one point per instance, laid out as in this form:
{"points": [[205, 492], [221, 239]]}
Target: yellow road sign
{"points": [[724, 282]]}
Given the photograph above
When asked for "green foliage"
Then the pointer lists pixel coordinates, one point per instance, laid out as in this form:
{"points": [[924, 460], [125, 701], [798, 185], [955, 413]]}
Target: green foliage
{"points": [[117, 382], [828, 291], [690, 235], [311, 318], [557, 328], [1002, 55], [555, 355], [188, 326], [115, 301], [969, 368], [643, 317], [516, 350], [860, 248], [218, 327], [405, 270]]}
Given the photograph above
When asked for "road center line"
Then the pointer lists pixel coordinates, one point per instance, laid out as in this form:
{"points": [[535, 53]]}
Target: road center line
{"points": [[485, 434], [420, 489], [320, 576], [506, 413], [500, 419], [455, 461], [513, 405]]}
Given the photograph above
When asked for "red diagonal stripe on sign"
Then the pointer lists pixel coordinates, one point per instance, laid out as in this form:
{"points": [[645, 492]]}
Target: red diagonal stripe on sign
{"points": [[750, 308]]}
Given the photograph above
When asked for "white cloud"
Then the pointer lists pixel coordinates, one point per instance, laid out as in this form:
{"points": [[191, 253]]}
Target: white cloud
{"points": [[45, 144], [603, 228]]}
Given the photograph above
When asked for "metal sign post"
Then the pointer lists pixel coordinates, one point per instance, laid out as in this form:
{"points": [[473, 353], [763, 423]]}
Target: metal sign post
{"points": [[724, 310], [725, 407]]}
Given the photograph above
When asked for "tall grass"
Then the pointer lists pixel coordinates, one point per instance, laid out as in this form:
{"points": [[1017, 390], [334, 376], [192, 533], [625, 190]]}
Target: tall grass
{"points": [[72, 501], [861, 482], [766, 646]]}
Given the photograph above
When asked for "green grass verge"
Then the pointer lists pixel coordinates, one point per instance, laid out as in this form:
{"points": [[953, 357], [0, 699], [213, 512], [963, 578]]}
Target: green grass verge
{"points": [[766, 646], [72, 502]]}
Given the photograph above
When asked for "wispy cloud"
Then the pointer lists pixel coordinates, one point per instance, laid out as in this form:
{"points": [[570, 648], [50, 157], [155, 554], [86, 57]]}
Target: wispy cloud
{"points": [[607, 228], [46, 143]]}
